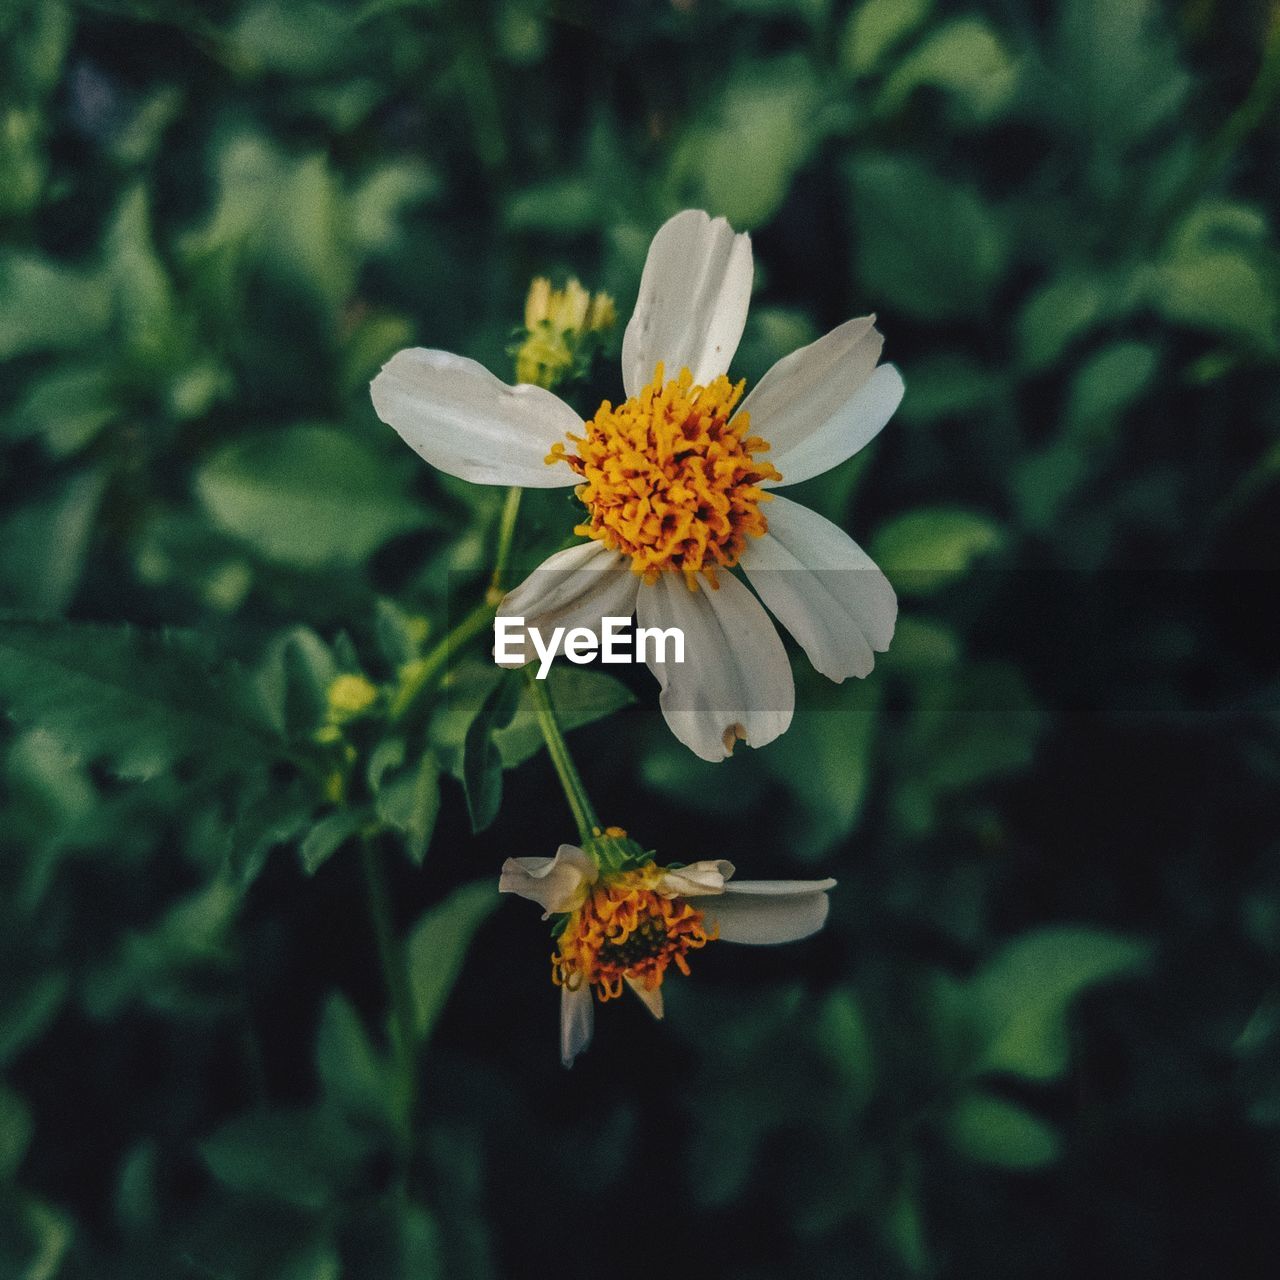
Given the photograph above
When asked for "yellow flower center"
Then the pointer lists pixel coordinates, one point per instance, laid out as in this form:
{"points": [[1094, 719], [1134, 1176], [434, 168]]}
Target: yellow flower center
{"points": [[626, 929], [669, 480]]}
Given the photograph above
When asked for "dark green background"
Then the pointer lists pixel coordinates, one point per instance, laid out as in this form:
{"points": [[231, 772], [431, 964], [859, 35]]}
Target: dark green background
{"points": [[1038, 1037]]}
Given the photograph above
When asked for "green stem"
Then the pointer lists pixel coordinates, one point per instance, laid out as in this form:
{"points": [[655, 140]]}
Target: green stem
{"points": [[576, 794], [424, 674], [506, 537], [399, 994]]}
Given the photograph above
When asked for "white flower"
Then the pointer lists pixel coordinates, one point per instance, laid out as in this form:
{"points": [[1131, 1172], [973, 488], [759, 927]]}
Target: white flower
{"points": [[677, 490], [626, 927]]}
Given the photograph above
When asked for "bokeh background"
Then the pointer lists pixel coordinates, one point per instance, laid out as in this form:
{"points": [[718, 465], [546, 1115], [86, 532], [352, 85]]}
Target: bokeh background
{"points": [[1040, 1034]]}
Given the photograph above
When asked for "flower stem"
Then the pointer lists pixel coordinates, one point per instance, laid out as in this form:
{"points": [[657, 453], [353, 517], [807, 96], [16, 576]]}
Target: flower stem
{"points": [[399, 994], [506, 536], [576, 794], [423, 675]]}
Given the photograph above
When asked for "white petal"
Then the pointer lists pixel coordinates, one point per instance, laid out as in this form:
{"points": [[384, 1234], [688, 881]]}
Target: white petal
{"points": [[460, 418], [823, 588], [766, 912], [577, 1018], [822, 403], [575, 587], [652, 1000], [695, 880], [692, 303], [735, 681], [555, 884]]}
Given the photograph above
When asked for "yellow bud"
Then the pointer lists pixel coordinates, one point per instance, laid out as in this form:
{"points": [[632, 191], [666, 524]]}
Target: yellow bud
{"points": [[602, 314], [538, 303], [350, 695], [569, 306]]}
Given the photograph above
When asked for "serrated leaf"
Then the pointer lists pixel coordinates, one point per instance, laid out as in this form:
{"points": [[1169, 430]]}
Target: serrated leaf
{"points": [[307, 496], [438, 945], [994, 1131], [1020, 1000], [140, 701]]}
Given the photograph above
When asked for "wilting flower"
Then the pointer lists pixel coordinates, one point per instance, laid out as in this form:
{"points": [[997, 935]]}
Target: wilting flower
{"points": [[677, 487], [621, 920]]}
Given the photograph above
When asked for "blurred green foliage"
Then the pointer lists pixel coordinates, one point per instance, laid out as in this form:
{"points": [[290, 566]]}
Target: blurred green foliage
{"points": [[1040, 1034]]}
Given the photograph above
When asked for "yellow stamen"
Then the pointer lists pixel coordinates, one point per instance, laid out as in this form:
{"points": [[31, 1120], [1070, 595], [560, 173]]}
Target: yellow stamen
{"points": [[670, 479], [626, 929]]}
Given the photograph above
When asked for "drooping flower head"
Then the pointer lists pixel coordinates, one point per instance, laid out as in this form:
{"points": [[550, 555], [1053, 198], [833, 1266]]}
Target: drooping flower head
{"points": [[623, 920], [678, 484]]}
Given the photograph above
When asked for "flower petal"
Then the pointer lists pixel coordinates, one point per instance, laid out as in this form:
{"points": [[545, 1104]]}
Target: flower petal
{"points": [[692, 303], [695, 880], [575, 587], [555, 884], [461, 419], [823, 588], [577, 1019], [735, 681], [766, 912], [822, 403], [652, 1000]]}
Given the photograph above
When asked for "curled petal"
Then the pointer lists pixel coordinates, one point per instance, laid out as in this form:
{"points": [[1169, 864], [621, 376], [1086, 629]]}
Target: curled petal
{"points": [[692, 303], [823, 588], [766, 912], [577, 1018], [697, 879], [575, 587], [651, 999], [735, 681], [555, 884], [460, 418]]}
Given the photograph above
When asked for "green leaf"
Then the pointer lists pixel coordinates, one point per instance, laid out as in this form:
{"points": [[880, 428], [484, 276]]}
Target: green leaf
{"points": [[438, 945], [306, 496], [46, 307], [407, 799], [15, 1132], [140, 701], [1107, 384], [993, 1131], [925, 549], [26, 1013], [580, 696], [328, 836], [481, 758], [68, 406], [929, 246], [965, 59], [1061, 311], [1020, 1000], [294, 1155], [352, 1073], [43, 545], [769, 113], [874, 27]]}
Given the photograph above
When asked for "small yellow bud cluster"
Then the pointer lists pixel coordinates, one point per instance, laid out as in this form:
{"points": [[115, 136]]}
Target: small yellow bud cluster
{"points": [[349, 695], [560, 325]]}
